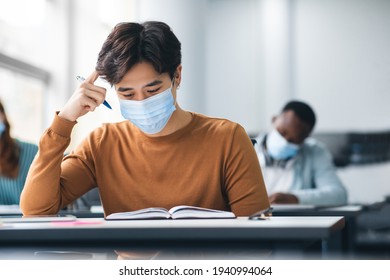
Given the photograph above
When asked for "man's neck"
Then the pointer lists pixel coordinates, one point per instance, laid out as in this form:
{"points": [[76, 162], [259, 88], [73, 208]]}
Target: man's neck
{"points": [[178, 120]]}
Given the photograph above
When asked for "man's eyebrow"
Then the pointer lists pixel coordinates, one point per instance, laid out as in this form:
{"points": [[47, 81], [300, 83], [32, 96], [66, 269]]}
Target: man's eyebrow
{"points": [[124, 89], [154, 83]]}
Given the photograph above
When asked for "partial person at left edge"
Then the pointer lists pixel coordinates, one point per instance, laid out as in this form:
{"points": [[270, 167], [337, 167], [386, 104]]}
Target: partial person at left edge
{"points": [[16, 157]]}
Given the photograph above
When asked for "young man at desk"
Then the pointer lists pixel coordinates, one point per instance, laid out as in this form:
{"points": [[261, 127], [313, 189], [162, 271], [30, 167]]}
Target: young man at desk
{"points": [[160, 156], [296, 168]]}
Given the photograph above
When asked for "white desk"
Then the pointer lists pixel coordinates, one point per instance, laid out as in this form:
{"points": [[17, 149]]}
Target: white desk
{"points": [[194, 229], [275, 233]]}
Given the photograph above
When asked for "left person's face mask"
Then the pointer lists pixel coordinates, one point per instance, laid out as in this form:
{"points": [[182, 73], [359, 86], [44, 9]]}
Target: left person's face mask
{"points": [[152, 114], [2, 128], [279, 148]]}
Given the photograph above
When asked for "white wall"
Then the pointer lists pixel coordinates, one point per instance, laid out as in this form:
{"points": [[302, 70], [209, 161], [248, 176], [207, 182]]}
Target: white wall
{"points": [[187, 20], [343, 62], [234, 70], [56, 56], [243, 60], [277, 56]]}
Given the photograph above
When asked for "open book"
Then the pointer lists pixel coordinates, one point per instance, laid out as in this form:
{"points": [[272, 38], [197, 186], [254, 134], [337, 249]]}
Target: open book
{"points": [[178, 212]]}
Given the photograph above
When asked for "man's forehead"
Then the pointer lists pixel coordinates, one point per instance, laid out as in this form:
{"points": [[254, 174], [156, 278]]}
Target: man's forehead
{"points": [[141, 82], [289, 118]]}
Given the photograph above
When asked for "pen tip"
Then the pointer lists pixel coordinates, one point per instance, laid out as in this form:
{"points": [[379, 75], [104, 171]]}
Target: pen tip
{"points": [[107, 105]]}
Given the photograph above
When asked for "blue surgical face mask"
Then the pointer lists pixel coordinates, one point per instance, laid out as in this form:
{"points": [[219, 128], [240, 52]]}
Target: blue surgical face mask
{"points": [[279, 148], [2, 128], [150, 115]]}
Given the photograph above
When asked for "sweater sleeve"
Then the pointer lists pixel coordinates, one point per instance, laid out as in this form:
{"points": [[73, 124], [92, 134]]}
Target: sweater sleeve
{"points": [[244, 181], [54, 181]]}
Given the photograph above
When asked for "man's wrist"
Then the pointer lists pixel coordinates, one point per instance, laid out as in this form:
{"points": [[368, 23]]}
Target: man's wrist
{"points": [[62, 126]]}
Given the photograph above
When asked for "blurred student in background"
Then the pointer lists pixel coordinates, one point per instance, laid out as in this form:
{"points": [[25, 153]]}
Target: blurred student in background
{"points": [[15, 159], [296, 168]]}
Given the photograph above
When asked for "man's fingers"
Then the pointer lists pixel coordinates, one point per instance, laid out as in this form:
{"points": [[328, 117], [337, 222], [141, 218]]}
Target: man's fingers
{"points": [[92, 78], [92, 87], [96, 96], [89, 104]]}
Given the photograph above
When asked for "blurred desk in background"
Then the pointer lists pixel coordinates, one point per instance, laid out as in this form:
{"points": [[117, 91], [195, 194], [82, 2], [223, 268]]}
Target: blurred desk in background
{"points": [[374, 229], [350, 212], [10, 210], [93, 212]]}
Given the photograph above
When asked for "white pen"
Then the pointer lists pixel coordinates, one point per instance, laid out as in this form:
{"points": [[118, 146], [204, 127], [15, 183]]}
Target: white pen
{"points": [[82, 79]]}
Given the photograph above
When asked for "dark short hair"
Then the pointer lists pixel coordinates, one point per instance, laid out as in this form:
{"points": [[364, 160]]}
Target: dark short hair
{"points": [[303, 111], [131, 43]]}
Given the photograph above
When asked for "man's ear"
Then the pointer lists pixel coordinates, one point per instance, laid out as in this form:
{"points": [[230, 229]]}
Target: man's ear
{"points": [[177, 75], [273, 120]]}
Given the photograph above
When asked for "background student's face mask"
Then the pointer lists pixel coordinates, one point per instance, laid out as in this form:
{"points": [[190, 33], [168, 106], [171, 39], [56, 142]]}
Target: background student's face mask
{"points": [[279, 148], [150, 115]]}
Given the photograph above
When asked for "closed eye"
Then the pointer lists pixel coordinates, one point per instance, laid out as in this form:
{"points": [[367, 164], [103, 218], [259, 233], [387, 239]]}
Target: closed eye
{"points": [[282, 132], [154, 90], [128, 95]]}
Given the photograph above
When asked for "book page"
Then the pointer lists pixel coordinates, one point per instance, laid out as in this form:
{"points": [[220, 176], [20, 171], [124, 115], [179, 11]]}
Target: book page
{"points": [[147, 213], [188, 212]]}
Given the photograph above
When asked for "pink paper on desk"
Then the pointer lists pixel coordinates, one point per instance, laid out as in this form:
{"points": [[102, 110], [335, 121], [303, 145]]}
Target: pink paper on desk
{"points": [[76, 223]]}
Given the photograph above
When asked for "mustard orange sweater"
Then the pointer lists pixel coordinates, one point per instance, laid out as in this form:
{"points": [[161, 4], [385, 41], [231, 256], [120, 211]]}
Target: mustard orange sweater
{"points": [[209, 163]]}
